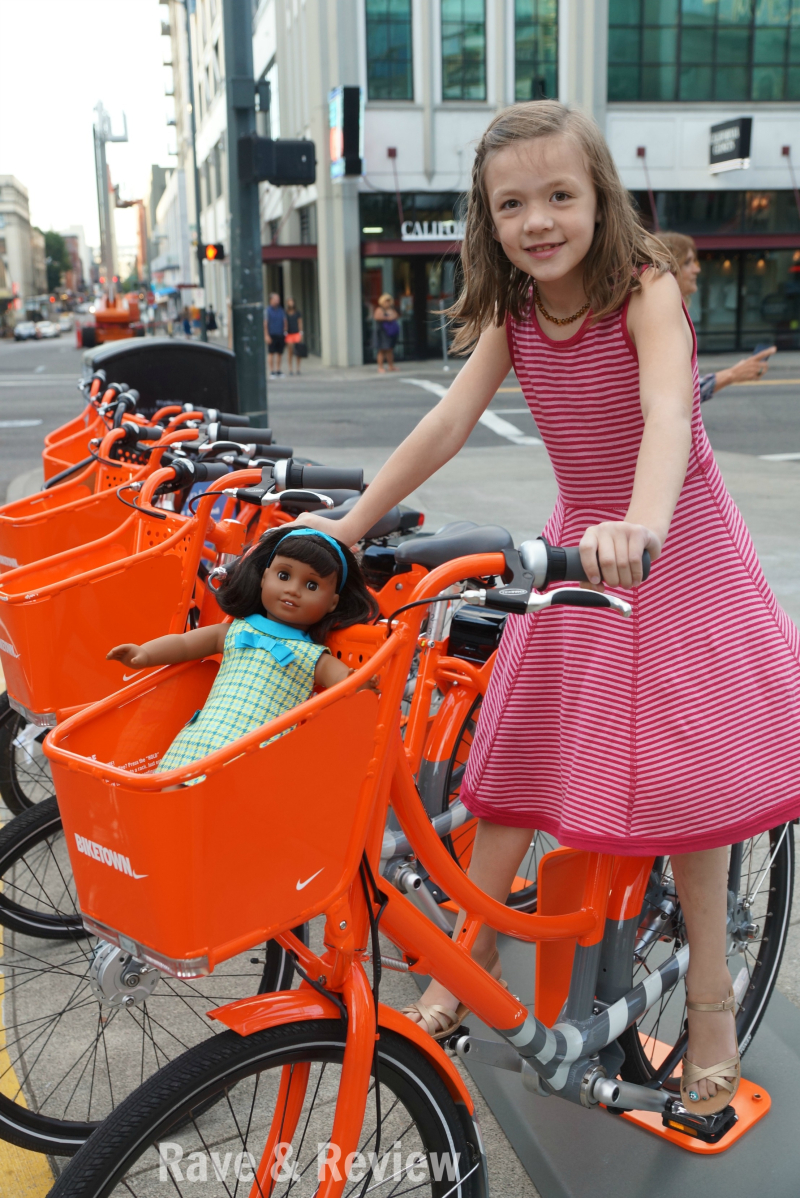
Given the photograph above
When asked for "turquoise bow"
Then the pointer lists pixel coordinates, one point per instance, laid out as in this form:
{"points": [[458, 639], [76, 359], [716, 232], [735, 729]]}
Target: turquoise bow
{"points": [[250, 640]]}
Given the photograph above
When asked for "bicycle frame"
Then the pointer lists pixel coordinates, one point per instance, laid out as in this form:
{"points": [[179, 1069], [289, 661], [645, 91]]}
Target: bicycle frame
{"points": [[589, 903]]}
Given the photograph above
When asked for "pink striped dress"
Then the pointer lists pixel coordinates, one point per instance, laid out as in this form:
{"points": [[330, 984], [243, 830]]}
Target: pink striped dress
{"points": [[675, 730]]}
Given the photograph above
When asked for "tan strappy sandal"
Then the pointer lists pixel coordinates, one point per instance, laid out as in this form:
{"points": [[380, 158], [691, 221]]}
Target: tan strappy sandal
{"points": [[725, 1076], [440, 1022]]}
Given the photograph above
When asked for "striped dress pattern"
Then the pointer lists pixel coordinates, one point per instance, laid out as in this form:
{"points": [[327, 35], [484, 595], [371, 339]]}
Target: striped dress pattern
{"points": [[267, 668], [675, 730]]}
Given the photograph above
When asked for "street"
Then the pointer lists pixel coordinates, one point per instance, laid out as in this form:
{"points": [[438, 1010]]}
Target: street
{"points": [[355, 417]]}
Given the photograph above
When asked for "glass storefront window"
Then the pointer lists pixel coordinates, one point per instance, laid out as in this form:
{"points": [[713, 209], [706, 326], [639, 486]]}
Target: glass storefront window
{"points": [[702, 212], [699, 50], [389, 50], [380, 219], [464, 49], [421, 287], [536, 49], [747, 299]]}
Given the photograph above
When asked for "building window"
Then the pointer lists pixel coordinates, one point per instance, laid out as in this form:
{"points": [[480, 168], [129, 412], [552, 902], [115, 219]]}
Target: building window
{"points": [[463, 50], [389, 51], [699, 50], [535, 49]]}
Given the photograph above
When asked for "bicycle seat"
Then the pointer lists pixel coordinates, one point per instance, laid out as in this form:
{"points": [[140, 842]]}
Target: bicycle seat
{"points": [[444, 546], [385, 527]]}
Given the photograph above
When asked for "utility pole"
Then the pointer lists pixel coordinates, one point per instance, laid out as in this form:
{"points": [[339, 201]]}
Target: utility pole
{"points": [[247, 289], [189, 6], [108, 243]]}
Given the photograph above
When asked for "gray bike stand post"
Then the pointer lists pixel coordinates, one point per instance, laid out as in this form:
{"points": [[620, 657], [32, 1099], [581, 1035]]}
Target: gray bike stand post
{"points": [[571, 1152]]}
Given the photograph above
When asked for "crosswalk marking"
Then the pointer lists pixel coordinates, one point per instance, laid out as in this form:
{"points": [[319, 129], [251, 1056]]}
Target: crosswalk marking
{"points": [[489, 419]]}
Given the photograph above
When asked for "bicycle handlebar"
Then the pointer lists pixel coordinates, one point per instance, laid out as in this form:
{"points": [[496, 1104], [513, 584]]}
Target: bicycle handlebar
{"points": [[553, 563], [214, 416], [242, 434], [291, 475]]}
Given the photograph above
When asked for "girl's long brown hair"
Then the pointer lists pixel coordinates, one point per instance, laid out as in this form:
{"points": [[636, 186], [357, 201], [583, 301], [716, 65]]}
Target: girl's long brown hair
{"points": [[493, 287]]}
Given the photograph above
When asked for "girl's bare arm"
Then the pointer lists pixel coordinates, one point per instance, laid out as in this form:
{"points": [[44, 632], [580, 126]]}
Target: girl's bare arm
{"points": [[663, 341], [436, 439], [169, 650]]}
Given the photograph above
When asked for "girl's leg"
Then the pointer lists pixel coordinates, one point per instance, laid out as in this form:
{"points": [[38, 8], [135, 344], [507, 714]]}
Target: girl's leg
{"points": [[380, 361], [702, 883], [290, 353], [496, 856]]}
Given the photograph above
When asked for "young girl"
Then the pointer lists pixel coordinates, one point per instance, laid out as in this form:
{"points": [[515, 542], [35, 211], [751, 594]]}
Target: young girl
{"points": [[285, 596], [614, 736]]}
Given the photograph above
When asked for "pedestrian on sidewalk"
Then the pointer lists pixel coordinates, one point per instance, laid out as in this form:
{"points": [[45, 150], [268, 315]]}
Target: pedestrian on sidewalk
{"points": [[684, 251], [187, 323], [275, 328], [387, 330], [613, 736], [211, 319], [294, 334]]}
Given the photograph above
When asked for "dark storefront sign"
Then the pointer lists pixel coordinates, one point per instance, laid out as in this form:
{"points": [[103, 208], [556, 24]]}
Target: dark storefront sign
{"points": [[729, 145], [410, 246]]}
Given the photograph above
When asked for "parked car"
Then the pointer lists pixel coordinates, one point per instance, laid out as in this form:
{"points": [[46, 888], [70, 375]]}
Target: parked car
{"points": [[25, 331], [65, 322], [49, 328]]}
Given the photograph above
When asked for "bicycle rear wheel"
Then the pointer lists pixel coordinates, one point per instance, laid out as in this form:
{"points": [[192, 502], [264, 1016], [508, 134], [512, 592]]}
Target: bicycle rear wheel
{"points": [[71, 1055], [761, 880], [460, 842], [175, 1135], [25, 776]]}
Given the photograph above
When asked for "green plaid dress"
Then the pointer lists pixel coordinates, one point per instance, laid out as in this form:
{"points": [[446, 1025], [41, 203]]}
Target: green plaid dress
{"points": [[267, 668]]}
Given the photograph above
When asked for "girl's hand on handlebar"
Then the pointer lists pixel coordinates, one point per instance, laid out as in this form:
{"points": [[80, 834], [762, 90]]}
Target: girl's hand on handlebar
{"points": [[611, 552], [129, 655]]}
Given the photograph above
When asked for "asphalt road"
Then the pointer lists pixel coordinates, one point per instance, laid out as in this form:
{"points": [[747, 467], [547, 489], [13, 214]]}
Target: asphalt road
{"points": [[358, 408]]}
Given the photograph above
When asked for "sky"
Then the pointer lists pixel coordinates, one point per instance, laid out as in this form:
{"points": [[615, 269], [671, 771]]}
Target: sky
{"points": [[57, 59]]}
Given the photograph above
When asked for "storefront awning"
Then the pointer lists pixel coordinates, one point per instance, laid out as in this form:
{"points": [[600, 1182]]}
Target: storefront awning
{"points": [[288, 253]]}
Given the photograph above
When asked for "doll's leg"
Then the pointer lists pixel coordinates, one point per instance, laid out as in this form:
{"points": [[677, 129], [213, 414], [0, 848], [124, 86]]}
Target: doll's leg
{"points": [[496, 856], [702, 883]]}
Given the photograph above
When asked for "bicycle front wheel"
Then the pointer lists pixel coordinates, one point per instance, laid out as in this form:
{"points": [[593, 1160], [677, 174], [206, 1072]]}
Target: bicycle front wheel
{"points": [[25, 776], [174, 1135], [72, 1048], [760, 884]]}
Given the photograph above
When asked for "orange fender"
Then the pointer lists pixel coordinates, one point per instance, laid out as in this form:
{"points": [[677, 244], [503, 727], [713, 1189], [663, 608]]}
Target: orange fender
{"points": [[259, 1011]]}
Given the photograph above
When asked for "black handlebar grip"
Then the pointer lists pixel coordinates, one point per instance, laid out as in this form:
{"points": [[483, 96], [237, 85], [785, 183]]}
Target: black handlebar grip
{"points": [[210, 471], [319, 478], [244, 434], [565, 564], [231, 419], [275, 453]]}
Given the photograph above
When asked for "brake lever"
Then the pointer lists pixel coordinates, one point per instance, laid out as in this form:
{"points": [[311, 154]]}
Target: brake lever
{"points": [[518, 601]]}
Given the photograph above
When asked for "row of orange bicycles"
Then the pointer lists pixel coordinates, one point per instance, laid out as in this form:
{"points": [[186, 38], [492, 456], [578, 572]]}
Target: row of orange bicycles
{"points": [[191, 979]]}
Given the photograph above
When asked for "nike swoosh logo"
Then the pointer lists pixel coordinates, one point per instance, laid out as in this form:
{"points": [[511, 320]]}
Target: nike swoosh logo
{"points": [[141, 875], [302, 885], [127, 677]]}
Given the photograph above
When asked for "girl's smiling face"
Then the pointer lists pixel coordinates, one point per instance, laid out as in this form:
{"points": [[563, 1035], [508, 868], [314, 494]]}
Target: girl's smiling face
{"points": [[543, 205]]}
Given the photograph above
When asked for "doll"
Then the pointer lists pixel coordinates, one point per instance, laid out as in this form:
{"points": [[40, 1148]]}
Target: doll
{"points": [[285, 596]]}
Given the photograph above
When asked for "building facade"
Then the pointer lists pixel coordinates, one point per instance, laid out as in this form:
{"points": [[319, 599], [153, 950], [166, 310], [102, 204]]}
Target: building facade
{"points": [[16, 245], [655, 74]]}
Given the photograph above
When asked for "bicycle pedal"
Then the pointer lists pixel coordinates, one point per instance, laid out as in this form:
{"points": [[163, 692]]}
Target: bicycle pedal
{"points": [[710, 1129], [449, 1043]]}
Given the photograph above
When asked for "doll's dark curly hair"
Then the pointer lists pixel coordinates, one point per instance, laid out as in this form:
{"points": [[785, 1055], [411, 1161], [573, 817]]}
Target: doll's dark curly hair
{"points": [[240, 593]]}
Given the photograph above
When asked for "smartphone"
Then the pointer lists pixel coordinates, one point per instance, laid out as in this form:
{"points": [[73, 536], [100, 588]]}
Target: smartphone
{"points": [[762, 345]]}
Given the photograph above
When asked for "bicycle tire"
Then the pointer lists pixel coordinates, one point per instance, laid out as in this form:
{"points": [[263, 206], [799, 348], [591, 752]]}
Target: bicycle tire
{"points": [[121, 1156], [753, 992], [68, 1057], [25, 777]]}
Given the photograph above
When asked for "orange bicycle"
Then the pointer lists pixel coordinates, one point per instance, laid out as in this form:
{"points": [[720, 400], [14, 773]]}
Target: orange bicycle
{"points": [[325, 1089]]}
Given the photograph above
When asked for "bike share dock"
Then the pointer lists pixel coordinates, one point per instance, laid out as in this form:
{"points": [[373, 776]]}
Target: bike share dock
{"points": [[571, 1152]]}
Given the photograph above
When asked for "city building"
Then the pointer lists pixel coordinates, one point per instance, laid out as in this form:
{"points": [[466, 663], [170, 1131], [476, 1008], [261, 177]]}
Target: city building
{"points": [[16, 245], [81, 257], [39, 262], [657, 75]]}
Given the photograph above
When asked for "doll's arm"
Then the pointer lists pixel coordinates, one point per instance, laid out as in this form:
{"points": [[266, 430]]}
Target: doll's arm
{"points": [[168, 650], [330, 670]]}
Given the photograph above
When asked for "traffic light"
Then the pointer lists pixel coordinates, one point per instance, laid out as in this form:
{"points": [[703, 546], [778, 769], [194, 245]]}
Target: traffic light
{"points": [[212, 252], [283, 162]]}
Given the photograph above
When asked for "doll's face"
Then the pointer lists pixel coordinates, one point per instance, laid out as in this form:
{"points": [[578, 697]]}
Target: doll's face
{"points": [[295, 593]]}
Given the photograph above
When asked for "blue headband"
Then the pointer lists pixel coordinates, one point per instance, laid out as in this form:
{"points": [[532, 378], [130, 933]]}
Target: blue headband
{"points": [[313, 532]]}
